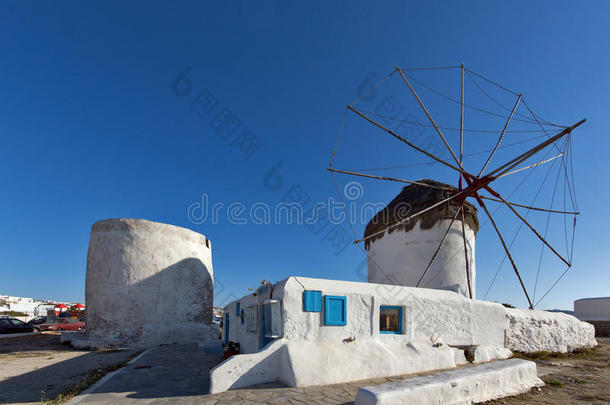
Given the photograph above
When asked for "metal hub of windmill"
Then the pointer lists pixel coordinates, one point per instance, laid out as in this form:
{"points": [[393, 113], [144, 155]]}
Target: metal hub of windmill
{"points": [[478, 185]]}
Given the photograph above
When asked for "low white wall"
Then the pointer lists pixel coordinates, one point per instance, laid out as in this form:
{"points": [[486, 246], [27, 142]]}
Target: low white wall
{"points": [[464, 386], [248, 369], [533, 331], [299, 363], [332, 363], [592, 309]]}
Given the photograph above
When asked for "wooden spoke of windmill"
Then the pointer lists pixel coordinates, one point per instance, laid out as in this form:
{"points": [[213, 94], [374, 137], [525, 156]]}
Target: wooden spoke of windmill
{"points": [[474, 184]]}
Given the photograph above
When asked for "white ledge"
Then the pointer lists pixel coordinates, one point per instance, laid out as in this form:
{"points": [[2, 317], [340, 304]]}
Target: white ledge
{"points": [[465, 385]]}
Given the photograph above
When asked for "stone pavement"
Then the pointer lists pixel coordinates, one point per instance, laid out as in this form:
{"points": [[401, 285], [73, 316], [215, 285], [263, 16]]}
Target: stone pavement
{"points": [[165, 374], [179, 374]]}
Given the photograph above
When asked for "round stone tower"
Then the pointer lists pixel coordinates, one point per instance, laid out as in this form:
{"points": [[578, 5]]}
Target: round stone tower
{"points": [[400, 256], [148, 283]]}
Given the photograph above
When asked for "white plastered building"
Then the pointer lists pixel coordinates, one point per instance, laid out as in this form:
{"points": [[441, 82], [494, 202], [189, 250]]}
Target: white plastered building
{"points": [[305, 331]]}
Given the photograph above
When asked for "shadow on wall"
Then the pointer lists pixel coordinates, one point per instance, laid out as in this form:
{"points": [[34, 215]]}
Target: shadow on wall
{"points": [[175, 299], [184, 290]]}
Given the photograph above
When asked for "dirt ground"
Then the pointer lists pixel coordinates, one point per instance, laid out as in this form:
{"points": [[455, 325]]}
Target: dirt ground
{"points": [[582, 378], [36, 368]]}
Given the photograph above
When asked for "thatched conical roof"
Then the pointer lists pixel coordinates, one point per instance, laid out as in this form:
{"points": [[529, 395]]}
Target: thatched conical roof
{"points": [[414, 198]]}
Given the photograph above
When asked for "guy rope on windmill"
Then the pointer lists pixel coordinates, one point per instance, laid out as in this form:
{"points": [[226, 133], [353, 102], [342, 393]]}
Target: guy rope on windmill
{"points": [[477, 184]]}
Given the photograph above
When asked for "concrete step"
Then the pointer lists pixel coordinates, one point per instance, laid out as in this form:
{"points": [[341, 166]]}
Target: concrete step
{"points": [[465, 385]]}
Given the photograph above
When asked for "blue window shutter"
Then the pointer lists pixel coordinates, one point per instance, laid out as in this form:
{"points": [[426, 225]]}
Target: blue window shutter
{"points": [[312, 301], [237, 309], [335, 310]]}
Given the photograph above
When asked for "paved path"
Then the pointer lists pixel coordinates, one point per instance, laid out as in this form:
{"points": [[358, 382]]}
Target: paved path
{"points": [[179, 374], [166, 374]]}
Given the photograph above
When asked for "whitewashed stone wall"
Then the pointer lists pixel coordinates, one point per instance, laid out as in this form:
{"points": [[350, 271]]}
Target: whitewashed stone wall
{"points": [[148, 283]]}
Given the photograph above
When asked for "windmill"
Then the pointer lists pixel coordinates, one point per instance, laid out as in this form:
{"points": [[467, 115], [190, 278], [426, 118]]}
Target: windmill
{"points": [[477, 184]]}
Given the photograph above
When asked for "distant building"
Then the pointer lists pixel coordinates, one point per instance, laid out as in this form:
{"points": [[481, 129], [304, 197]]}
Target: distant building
{"points": [[27, 305], [596, 311]]}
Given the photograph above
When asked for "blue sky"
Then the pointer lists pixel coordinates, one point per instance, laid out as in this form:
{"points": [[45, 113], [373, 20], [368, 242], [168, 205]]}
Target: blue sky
{"points": [[91, 127]]}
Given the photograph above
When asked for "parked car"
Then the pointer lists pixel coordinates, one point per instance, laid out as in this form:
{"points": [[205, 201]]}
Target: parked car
{"points": [[60, 324], [38, 320], [14, 325]]}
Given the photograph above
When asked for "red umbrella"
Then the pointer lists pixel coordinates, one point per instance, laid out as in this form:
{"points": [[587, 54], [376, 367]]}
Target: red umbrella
{"points": [[59, 308]]}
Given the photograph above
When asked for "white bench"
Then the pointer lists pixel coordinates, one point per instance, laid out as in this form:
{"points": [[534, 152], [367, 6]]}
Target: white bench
{"points": [[465, 385]]}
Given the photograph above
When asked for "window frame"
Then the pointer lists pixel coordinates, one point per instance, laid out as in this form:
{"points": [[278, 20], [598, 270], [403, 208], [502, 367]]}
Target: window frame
{"points": [[400, 315], [252, 319], [327, 320], [272, 319]]}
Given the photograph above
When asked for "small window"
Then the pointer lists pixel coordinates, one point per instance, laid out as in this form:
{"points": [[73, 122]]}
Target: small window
{"points": [[241, 317], [225, 327], [335, 310], [237, 309], [390, 320], [272, 319], [251, 319], [312, 301]]}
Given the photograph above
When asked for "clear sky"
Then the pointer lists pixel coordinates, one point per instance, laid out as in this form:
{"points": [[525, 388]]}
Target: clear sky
{"points": [[93, 127]]}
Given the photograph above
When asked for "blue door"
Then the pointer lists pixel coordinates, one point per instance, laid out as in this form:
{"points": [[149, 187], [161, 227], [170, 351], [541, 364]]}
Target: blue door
{"points": [[226, 328], [264, 340]]}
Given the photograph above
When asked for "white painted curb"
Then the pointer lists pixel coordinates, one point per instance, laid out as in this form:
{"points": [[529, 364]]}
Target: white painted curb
{"points": [[480, 383]]}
